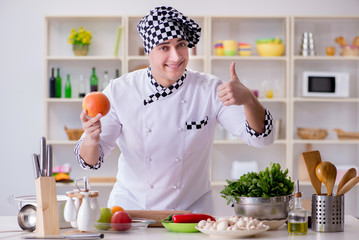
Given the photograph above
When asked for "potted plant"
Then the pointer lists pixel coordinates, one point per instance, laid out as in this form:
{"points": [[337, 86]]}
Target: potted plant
{"points": [[264, 195], [80, 40]]}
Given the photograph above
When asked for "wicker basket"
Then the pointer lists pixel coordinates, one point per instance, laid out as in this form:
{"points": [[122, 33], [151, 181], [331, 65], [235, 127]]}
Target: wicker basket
{"points": [[346, 135], [74, 134], [312, 133]]}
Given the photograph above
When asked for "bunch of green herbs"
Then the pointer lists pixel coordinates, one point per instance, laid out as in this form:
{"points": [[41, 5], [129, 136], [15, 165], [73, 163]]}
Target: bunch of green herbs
{"points": [[268, 183]]}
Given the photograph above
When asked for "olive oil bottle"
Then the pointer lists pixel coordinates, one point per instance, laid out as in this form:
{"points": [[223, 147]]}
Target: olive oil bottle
{"points": [[298, 216]]}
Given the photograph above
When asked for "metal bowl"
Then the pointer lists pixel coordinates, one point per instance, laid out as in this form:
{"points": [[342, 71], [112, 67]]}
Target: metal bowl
{"points": [[26, 217], [274, 208]]}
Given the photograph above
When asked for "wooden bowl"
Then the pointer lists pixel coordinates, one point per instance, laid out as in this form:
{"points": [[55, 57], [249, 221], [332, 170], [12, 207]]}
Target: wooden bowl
{"points": [[346, 135], [312, 133]]}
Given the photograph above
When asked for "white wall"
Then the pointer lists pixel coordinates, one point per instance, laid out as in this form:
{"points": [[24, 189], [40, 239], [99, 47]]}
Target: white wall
{"points": [[21, 45]]}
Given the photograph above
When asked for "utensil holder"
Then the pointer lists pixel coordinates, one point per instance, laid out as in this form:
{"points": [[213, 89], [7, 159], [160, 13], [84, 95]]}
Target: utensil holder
{"points": [[47, 218], [327, 213]]}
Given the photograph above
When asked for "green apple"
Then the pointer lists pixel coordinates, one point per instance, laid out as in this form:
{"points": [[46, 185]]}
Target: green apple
{"points": [[106, 215]]}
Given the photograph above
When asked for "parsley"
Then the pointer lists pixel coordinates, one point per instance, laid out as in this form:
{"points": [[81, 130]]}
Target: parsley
{"points": [[268, 183]]}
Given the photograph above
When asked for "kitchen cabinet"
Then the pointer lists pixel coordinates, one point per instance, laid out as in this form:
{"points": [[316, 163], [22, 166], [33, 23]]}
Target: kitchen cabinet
{"points": [[326, 113]]}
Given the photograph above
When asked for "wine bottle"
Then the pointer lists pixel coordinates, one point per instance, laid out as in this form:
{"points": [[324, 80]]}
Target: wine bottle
{"points": [[58, 84], [52, 83], [93, 81], [117, 73], [105, 81], [82, 90], [68, 87]]}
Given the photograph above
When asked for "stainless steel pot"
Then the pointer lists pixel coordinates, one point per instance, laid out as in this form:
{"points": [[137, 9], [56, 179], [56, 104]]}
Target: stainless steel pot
{"points": [[24, 217], [274, 208]]}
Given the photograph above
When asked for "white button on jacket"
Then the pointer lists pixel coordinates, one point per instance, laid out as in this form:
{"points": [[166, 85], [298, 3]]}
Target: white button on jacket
{"points": [[167, 165]]}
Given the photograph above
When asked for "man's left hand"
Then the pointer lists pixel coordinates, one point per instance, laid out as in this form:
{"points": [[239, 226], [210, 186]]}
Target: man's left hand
{"points": [[233, 92]]}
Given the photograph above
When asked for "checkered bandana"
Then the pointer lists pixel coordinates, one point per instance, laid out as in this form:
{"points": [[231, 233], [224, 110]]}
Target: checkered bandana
{"points": [[161, 90], [165, 23]]}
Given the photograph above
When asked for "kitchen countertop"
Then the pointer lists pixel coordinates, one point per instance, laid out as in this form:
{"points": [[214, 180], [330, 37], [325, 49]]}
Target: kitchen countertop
{"points": [[9, 229]]}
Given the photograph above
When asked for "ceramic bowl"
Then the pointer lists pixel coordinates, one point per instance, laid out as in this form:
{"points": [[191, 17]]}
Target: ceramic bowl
{"points": [[181, 227], [270, 49]]}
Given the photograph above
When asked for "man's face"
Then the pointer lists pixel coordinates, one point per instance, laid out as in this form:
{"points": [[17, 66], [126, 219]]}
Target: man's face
{"points": [[169, 60]]}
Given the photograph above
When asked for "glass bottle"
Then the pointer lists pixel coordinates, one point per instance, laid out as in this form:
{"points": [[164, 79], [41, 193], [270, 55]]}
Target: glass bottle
{"points": [[298, 216], [52, 83], [58, 84], [68, 87], [82, 89], [105, 81], [93, 81], [117, 73]]}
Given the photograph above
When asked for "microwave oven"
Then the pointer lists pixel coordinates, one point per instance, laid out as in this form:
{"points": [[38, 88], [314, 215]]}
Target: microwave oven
{"points": [[325, 84]]}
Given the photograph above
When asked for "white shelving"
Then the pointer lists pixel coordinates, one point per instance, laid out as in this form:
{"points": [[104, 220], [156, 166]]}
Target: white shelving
{"points": [[328, 113]]}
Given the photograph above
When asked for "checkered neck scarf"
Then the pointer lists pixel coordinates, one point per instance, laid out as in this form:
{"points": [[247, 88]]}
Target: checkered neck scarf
{"points": [[165, 23], [161, 90]]}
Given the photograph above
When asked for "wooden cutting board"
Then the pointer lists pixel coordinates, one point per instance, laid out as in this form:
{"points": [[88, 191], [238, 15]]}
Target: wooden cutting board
{"points": [[157, 215]]}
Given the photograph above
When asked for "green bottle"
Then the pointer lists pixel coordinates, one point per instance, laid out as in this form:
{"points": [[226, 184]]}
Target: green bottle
{"points": [[58, 84], [68, 87], [93, 81]]}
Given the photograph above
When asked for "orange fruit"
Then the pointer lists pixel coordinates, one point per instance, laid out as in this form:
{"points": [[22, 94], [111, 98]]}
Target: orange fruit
{"points": [[95, 103], [117, 209]]}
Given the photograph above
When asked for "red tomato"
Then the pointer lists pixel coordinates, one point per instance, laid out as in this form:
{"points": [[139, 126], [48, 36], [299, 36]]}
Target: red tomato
{"points": [[121, 221]]}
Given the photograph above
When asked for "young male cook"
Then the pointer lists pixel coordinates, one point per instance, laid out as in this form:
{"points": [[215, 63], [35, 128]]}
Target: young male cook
{"points": [[163, 119]]}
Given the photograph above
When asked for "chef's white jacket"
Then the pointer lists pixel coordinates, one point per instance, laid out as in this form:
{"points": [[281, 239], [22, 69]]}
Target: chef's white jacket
{"points": [[165, 165]]}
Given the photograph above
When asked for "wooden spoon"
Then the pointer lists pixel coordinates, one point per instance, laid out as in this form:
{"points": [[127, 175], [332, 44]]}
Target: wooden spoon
{"points": [[312, 159], [327, 173], [349, 174], [349, 185]]}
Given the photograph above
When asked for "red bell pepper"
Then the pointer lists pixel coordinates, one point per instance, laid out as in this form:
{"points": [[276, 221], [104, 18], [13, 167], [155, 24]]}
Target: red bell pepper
{"points": [[191, 218]]}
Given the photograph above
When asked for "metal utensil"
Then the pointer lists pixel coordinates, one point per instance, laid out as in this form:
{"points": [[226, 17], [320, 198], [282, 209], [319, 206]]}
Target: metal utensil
{"points": [[349, 185], [26, 217], [43, 156], [312, 159], [69, 236], [36, 165], [349, 174], [49, 160], [327, 173]]}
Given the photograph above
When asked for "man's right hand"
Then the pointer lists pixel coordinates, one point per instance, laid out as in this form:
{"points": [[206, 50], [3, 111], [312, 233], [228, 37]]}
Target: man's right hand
{"points": [[92, 127]]}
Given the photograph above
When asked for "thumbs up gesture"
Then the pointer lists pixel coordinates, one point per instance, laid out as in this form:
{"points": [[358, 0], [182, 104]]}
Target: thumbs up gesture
{"points": [[234, 92]]}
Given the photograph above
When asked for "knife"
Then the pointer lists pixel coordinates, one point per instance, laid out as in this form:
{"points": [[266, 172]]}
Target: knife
{"points": [[43, 160], [36, 165], [49, 160]]}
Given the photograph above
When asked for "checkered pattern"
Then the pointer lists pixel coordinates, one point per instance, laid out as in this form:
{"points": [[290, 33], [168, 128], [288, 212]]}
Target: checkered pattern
{"points": [[161, 90], [268, 126], [197, 125], [82, 163], [165, 23]]}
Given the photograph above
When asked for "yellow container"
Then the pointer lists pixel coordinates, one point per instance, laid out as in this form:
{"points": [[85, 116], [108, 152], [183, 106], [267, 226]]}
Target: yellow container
{"points": [[244, 49], [218, 48], [230, 47], [270, 49]]}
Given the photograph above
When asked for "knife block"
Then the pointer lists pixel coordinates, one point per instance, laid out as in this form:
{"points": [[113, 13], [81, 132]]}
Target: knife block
{"points": [[47, 219]]}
